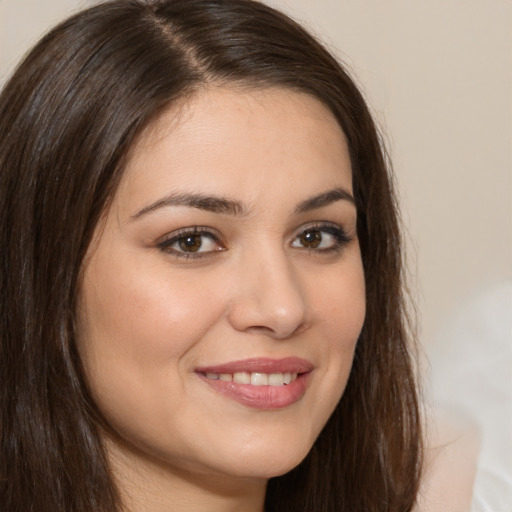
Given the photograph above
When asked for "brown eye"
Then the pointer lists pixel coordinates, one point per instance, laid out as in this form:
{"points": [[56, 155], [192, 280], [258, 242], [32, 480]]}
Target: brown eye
{"points": [[311, 238], [321, 238], [191, 242]]}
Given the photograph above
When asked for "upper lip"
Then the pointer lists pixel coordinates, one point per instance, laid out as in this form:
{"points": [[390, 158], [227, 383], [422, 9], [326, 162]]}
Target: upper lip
{"points": [[262, 365]]}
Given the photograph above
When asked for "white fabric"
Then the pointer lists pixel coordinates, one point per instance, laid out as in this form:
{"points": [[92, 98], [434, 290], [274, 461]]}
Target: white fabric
{"points": [[471, 362]]}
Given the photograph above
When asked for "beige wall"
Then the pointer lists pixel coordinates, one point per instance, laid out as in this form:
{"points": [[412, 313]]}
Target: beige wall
{"points": [[438, 75]]}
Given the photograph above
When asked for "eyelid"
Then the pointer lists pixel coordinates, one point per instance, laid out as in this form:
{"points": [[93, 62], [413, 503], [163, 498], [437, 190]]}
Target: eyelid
{"points": [[336, 230], [165, 243], [320, 225]]}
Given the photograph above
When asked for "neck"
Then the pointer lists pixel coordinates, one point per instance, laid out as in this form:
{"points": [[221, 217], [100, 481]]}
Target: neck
{"points": [[149, 485]]}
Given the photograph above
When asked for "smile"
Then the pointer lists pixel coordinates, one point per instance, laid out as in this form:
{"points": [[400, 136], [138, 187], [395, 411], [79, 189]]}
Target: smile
{"points": [[260, 383], [254, 378]]}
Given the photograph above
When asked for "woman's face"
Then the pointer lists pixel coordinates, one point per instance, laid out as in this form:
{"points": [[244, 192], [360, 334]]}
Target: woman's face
{"points": [[223, 295]]}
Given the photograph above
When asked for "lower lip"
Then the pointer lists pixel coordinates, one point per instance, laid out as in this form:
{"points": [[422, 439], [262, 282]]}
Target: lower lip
{"points": [[262, 397]]}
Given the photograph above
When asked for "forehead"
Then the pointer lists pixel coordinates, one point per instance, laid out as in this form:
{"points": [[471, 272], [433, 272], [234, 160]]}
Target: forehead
{"points": [[241, 143]]}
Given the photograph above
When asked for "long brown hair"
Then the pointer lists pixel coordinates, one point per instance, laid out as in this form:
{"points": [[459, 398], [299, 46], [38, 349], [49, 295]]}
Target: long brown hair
{"points": [[68, 118]]}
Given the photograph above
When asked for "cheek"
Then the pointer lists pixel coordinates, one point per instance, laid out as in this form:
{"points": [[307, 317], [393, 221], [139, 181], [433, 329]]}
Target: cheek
{"points": [[144, 314], [340, 307], [137, 329], [340, 304]]}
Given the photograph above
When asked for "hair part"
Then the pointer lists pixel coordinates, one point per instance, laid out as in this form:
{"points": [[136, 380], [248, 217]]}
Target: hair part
{"points": [[68, 119]]}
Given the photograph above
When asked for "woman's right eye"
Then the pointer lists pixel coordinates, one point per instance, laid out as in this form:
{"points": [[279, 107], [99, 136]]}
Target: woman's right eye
{"points": [[194, 243]]}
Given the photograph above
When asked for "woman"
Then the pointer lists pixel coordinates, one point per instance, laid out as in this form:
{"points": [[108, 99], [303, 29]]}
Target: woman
{"points": [[202, 286]]}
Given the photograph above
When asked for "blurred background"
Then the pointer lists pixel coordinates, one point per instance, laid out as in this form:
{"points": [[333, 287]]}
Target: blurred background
{"points": [[438, 76]]}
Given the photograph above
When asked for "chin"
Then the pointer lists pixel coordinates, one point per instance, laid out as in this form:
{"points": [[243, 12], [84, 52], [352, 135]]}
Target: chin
{"points": [[267, 460]]}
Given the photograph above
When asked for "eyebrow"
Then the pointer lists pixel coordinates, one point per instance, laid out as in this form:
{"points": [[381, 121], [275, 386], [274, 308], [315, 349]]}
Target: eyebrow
{"points": [[201, 202], [217, 204], [325, 199]]}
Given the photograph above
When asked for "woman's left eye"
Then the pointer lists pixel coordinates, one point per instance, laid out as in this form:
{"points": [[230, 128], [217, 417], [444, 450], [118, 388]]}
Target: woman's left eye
{"points": [[321, 238], [191, 244]]}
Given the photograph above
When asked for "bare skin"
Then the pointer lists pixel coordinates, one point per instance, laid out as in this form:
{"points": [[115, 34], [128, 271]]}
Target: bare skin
{"points": [[232, 237]]}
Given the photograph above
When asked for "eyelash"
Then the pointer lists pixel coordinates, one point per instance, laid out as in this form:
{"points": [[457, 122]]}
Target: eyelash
{"points": [[340, 240], [182, 234], [340, 236]]}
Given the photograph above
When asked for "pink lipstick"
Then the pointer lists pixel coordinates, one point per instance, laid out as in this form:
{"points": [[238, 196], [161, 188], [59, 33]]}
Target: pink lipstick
{"points": [[261, 383]]}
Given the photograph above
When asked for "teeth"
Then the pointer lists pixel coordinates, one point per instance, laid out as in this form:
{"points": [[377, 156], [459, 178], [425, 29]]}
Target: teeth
{"points": [[255, 378], [242, 377], [259, 379], [276, 379]]}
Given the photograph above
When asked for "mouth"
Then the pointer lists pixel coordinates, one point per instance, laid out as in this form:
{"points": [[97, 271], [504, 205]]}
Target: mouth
{"points": [[260, 383], [255, 378]]}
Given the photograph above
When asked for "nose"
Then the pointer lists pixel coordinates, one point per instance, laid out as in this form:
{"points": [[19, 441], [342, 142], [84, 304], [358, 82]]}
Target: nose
{"points": [[269, 297]]}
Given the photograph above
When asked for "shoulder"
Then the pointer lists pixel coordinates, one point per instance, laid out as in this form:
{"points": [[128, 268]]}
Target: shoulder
{"points": [[452, 444]]}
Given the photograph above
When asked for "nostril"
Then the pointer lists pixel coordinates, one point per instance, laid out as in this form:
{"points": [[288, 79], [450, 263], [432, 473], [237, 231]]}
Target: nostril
{"points": [[279, 332]]}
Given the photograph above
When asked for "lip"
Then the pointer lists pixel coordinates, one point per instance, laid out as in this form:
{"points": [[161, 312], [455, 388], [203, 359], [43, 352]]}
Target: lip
{"points": [[261, 364], [261, 397]]}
